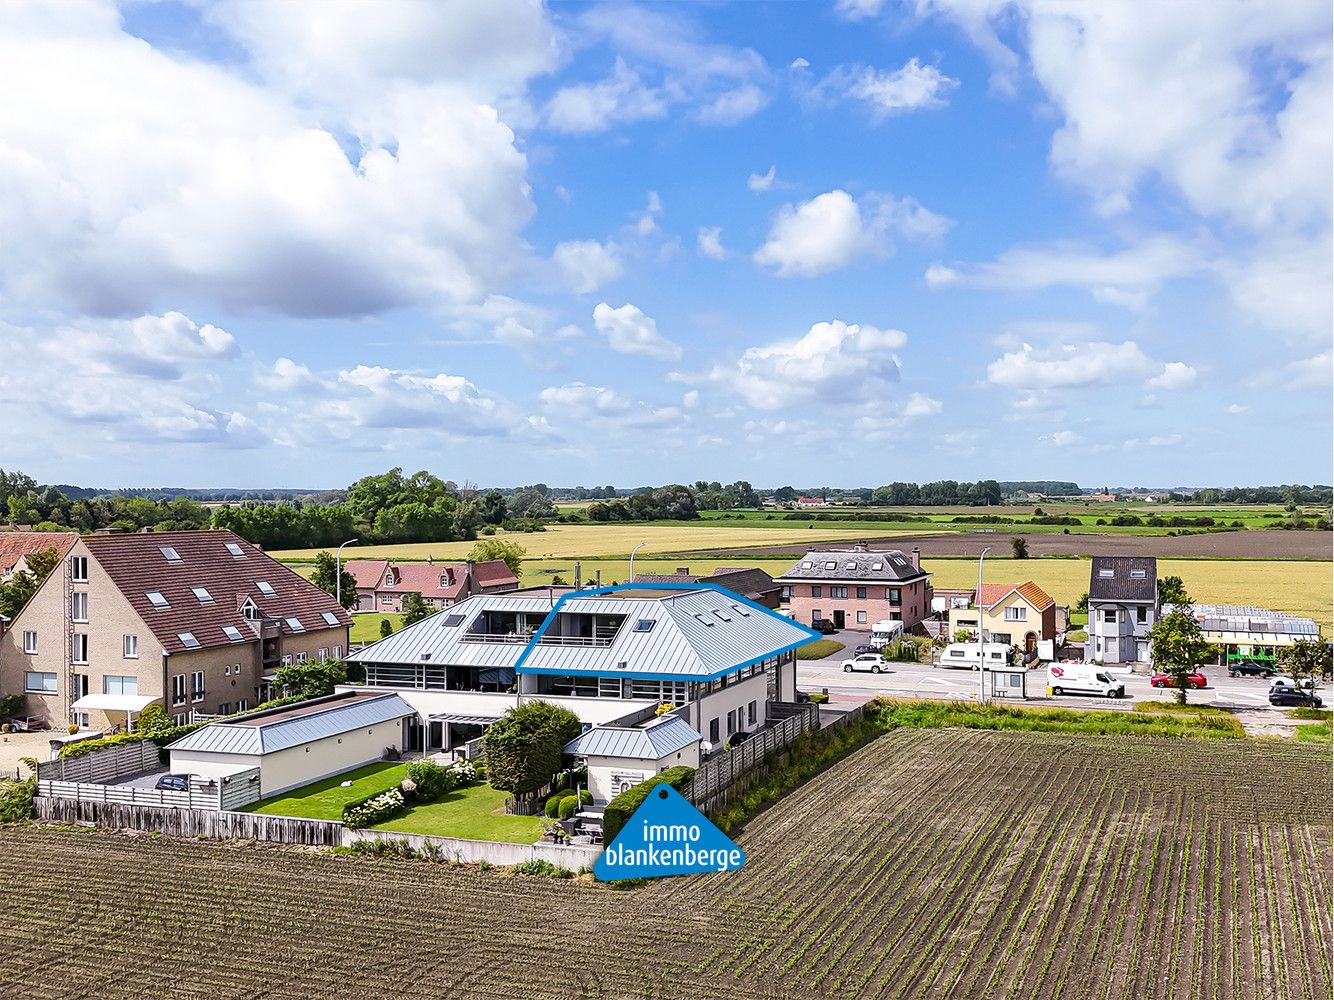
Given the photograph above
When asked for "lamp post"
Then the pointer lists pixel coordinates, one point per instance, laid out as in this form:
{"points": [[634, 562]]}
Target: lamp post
{"points": [[981, 647], [338, 571], [632, 561]]}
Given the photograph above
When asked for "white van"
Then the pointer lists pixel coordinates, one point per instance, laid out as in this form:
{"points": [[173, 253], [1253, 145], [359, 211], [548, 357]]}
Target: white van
{"points": [[966, 655], [1084, 678]]}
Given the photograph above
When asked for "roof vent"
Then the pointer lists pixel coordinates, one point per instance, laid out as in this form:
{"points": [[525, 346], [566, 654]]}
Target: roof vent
{"points": [[426, 656], [622, 664]]}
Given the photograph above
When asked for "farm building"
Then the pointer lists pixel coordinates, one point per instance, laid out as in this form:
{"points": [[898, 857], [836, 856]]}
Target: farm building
{"points": [[1244, 632], [611, 655], [620, 757], [296, 744]]}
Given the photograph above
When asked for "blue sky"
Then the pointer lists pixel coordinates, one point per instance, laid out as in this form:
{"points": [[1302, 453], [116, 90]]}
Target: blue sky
{"points": [[288, 245]]}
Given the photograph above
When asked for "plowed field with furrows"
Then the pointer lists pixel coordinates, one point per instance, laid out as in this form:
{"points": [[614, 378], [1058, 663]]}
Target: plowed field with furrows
{"points": [[944, 863]]}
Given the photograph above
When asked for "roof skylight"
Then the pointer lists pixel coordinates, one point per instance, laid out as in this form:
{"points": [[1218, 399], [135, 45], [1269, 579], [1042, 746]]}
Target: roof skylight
{"points": [[202, 593], [295, 624], [169, 554], [156, 599], [236, 550], [645, 625], [451, 621], [265, 588], [188, 640], [329, 617], [232, 632]]}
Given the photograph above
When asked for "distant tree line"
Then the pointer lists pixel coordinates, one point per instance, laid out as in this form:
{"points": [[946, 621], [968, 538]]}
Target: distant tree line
{"points": [[46, 508], [943, 493]]}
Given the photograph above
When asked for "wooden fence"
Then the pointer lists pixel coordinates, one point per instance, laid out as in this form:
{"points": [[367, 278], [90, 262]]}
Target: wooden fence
{"points": [[202, 794], [106, 764], [186, 822], [713, 778]]}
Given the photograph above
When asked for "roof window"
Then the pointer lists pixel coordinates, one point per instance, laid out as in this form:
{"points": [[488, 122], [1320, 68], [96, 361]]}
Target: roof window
{"points": [[721, 616], [850, 564], [1106, 574], [169, 554], [741, 611], [702, 620], [265, 588], [232, 632], [451, 621], [188, 640], [236, 550], [202, 593], [831, 564], [807, 564], [295, 624], [156, 599], [329, 617], [1137, 574], [645, 625], [877, 565]]}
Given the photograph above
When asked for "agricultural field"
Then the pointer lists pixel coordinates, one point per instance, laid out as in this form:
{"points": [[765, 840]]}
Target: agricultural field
{"points": [[930, 863]]}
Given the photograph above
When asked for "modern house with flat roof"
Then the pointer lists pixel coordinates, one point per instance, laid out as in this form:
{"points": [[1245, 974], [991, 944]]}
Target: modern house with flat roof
{"points": [[1123, 606], [612, 655], [855, 588]]}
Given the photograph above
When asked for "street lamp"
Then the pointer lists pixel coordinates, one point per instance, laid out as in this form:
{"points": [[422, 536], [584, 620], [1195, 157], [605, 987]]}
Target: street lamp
{"points": [[981, 648], [338, 571], [632, 561]]}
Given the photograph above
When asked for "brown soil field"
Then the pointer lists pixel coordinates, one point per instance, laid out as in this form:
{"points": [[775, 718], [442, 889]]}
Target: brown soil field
{"points": [[1213, 545], [951, 863]]}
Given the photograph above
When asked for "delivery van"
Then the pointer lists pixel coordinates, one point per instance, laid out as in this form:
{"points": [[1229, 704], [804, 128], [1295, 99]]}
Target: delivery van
{"points": [[1084, 678], [966, 655]]}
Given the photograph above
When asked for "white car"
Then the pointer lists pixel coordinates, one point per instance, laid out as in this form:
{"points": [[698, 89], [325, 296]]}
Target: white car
{"points": [[873, 662], [1284, 680]]}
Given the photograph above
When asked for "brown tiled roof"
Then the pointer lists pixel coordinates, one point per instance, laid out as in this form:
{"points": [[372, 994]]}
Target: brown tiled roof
{"points": [[368, 573], [425, 578], [137, 566], [14, 545], [994, 593], [494, 573]]}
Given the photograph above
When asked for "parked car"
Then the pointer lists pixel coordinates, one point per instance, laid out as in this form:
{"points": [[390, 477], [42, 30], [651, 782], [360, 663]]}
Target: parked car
{"points": [[873, 662], [865, 647], [1282, 694], [1250, 668], [173, 783], [824, 626], [1283, 680], [1194, 679]]}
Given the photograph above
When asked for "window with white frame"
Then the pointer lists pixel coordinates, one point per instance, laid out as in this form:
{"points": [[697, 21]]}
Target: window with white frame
{"points": [[197, 686], [129, 645], [1109, 616], [324, 653], [40, 682], [301, 657], [178, 689], [30, 642], [839, 592], [80, 647], [181, 720], [1016, 613], [861, 617], [120, 684], [79, 605], [78, 569], [338, 652]]}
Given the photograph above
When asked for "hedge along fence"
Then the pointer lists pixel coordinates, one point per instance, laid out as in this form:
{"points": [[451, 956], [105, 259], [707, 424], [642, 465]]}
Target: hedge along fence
{"points": [[620, 809], [161, 737], [106, 764]]}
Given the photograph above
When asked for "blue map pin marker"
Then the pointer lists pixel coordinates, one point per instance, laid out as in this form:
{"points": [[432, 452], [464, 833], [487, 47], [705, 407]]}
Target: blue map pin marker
{"points": [[667, 835]]}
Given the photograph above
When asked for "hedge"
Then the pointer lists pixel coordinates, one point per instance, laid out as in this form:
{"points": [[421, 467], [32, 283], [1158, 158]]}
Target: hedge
{"points": [[620, 809], [162, 737]]}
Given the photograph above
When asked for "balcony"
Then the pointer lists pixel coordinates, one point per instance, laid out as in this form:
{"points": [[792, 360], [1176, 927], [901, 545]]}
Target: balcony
{"points": [[585, 641]]}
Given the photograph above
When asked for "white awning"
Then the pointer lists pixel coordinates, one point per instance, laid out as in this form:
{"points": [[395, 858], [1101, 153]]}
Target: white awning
{"points": [[114, 702]]}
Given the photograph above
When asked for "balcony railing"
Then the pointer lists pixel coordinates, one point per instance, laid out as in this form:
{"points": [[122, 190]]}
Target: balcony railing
{"points": [[586, 641]]}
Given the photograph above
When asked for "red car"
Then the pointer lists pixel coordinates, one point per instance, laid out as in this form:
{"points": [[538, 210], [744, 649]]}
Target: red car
{"points": [[1194, 679]]}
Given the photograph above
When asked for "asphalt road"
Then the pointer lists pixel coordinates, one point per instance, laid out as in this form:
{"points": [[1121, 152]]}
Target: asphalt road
{"points": [[918, 680]]}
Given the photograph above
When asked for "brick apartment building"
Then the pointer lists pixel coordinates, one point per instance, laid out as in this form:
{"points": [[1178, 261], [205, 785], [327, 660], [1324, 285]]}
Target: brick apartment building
{"points": [[382, 585], [193, 620], [855, 588]]}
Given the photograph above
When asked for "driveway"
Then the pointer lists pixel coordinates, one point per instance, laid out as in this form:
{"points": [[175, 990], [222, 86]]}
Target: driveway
{"points": [[15, 746]]}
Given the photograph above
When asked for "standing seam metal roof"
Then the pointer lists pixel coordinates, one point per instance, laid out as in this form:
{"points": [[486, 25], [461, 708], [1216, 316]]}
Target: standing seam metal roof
{"points": [[257, 737], [666, 736]]}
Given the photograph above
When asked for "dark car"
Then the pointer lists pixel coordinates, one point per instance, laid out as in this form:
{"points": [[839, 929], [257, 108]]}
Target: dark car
{"points": [[1250, 668], [1291, 696], [824, 626], [173, 783], [865, 647]]}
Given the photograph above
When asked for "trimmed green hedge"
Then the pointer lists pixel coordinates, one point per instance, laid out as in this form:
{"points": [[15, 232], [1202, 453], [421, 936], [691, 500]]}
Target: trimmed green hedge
{"points": [[161, 737], [620, 809]]}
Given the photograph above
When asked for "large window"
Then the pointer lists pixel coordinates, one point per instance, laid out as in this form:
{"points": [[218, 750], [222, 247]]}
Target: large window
{"points": [[79, 605], [892, 593], [39, 682], [838, 592], [120, 684], [1109, 616], [713, 728], [1016, 613], [197, 686], [178, 689]]}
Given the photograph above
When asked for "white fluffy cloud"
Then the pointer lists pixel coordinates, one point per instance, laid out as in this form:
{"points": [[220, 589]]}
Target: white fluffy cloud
{"points": [[583, 403], [709, 242], [912, 87], [629, 331], [1064, 439], [833, 362], [1069, 366], [1175, 375], [136, 177], [762, 182], [833, 229], [588, 264], [620, 99]]}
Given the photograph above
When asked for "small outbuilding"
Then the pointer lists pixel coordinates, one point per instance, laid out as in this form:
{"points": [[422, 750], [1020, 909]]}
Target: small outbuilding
{"points": [[620, 757], [296, 744]]}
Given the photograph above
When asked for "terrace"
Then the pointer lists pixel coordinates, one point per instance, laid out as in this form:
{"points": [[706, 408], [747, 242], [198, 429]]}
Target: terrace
{"points": [[569, 629]]}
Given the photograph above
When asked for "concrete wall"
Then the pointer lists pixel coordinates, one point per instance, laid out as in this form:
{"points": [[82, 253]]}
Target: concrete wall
{"points": [[300, 765], [211, 765], [602, 769]]}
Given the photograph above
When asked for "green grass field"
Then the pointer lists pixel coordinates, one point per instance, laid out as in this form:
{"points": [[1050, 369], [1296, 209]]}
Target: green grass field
{"points": [[366, 628], [325, 799]]}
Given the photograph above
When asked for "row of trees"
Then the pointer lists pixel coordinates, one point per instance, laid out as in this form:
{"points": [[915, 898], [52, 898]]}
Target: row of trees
{"points": [[945, 492], [23, 501], [666, 503]]}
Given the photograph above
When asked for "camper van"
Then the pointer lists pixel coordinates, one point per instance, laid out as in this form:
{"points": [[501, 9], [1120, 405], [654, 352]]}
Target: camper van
{"points": [[966, 654], [1084, 678], [885, 632]]}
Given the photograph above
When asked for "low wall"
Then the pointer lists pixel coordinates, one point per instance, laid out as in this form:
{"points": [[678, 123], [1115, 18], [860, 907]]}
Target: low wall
{"points": [[474, 851]]}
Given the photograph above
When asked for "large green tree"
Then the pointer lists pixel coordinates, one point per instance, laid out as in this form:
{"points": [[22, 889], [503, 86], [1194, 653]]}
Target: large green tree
{"points": [[1179, 647], [414, 609], [19, 590], [324, 577], [1172, 591], [1308, 660], [524, 749], [316, 678], [488, 549]]}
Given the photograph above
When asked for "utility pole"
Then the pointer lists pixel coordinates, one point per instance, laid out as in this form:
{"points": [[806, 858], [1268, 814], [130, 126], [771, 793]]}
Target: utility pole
{"points": [[338, 572], [981, 646]]}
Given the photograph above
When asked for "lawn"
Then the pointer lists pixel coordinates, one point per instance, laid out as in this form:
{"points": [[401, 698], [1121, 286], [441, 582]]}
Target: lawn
{"points": [[473, 813], [325, 799], [366, 628], [818, 649]]}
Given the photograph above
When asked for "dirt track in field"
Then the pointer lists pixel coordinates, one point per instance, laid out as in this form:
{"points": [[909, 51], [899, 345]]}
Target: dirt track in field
{"points": [[1214, 545], [950, 863]]}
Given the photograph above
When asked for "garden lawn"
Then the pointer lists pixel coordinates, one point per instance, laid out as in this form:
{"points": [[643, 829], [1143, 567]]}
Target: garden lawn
{"points": [[473, 813], [818, 649], [325, 799], [366, 628]]}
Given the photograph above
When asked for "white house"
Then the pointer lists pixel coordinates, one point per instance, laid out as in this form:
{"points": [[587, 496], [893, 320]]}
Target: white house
{"points": [[611, 655], [620, 757]]}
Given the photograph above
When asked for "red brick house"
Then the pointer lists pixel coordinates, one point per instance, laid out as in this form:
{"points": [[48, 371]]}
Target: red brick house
{"points": [[855, 588], [382, 584]]}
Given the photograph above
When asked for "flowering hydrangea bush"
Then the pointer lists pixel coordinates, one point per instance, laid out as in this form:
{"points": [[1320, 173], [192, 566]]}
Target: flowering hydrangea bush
{"points": [[376, 809]]}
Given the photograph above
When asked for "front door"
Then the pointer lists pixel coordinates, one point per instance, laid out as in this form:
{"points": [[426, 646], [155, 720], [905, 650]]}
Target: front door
{"points": [[1030, 642], [838, 619]]}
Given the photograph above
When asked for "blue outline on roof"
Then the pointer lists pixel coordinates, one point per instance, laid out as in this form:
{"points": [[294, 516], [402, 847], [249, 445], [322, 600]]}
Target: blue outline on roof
{"points": [[731, 596]]}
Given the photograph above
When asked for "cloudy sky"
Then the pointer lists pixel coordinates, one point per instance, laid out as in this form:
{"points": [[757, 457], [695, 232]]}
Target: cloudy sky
{"points": [[261, 244]]}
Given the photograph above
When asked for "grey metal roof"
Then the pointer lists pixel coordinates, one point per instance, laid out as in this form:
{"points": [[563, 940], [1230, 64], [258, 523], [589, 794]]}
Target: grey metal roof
{"points": [[653, 742], [260, 735], [468, 720], [1121, 585], [696, 633], [1248, 618], [890, 566]]}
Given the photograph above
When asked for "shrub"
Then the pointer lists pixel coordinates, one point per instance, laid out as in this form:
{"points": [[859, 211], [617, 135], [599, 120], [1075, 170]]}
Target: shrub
{"points": [[374, 809], [819, 699], [16, 799], [552, 808], [545, 868], [524, 748], [465, 771], [620, 809], [567, 807], [432, 780]]}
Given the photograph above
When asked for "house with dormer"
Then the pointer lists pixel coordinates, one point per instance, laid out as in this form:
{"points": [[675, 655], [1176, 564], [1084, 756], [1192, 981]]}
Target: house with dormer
{"points": [[382, 584]]}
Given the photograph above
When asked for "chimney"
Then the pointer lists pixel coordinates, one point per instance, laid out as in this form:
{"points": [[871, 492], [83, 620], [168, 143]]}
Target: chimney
{"points": [[916, 558], [683, 571], [597, 578], [578, 575], [859, 547], [469, 580]]}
